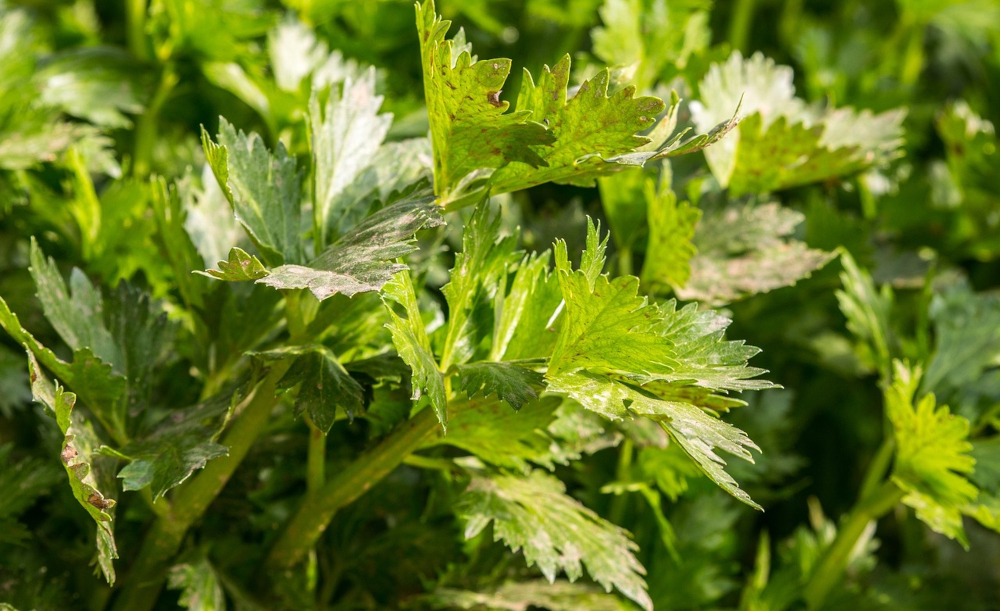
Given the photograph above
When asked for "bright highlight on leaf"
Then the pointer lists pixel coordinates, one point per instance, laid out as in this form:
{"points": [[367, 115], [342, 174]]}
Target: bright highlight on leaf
{"points": [[783, 142], [933, 458]]}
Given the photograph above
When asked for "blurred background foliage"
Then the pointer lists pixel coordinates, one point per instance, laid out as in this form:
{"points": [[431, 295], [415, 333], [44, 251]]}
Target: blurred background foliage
{"points": [[96, 97]]}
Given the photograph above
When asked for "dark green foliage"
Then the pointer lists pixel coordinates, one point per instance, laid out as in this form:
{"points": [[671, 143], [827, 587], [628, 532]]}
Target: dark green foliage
{"points": [[307, 306]]}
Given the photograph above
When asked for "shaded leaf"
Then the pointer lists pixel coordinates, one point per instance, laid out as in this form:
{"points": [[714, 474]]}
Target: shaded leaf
{"points": [[324, 387], [533, 514], [199, 586], [509, 382], [182, 442], [503, 437], [522, 596], [744, 251]]}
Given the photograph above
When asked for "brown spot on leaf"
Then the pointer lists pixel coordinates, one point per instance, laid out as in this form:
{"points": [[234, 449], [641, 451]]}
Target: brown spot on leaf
{"points": [[99, 501], [493, 97], [68, 454]]}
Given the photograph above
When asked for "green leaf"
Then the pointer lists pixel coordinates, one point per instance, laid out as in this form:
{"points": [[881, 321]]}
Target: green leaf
{"points": [[933, 459], [25, 480], [199, 586], [91, 378], [365, 258], [325, 387], [509, 382], [473, 282], [99, 84], [347, 133], [175, 244], [868, 312], [86, 471], [240, 267], [609, 329], [263, 188], [140, 329], [412, 345], [669, 250], [514, 308], [696, 432], [502, 437], [522, 596], [783, 142], [469, 125], [744, 251], [653, 39], [77, 312], [622, 199], [590, 130], [967, 336], [179, 444], [533, 514]]}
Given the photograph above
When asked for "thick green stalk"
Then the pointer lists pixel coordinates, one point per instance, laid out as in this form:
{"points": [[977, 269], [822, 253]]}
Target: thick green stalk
{"points": [[136, 15], [145, 578], [316, 512], [831, 566]]}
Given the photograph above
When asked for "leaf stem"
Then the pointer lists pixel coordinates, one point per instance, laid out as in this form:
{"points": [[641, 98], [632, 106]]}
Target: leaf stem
{"points": [[162, 542], [739, 27], [146, 128], [316, 512], [136, 15], [830, 567], [316, 461]]}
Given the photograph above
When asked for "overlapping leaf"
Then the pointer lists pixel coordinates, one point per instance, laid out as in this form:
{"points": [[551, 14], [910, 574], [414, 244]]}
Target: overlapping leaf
{"points": [[365, 258], [783, 142], [263, 188], [178, 445], [746, 250], [470, 127], [347, 133], [589, 129], [533, 514], [413, 346], [613, 342], [473, 281]]}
